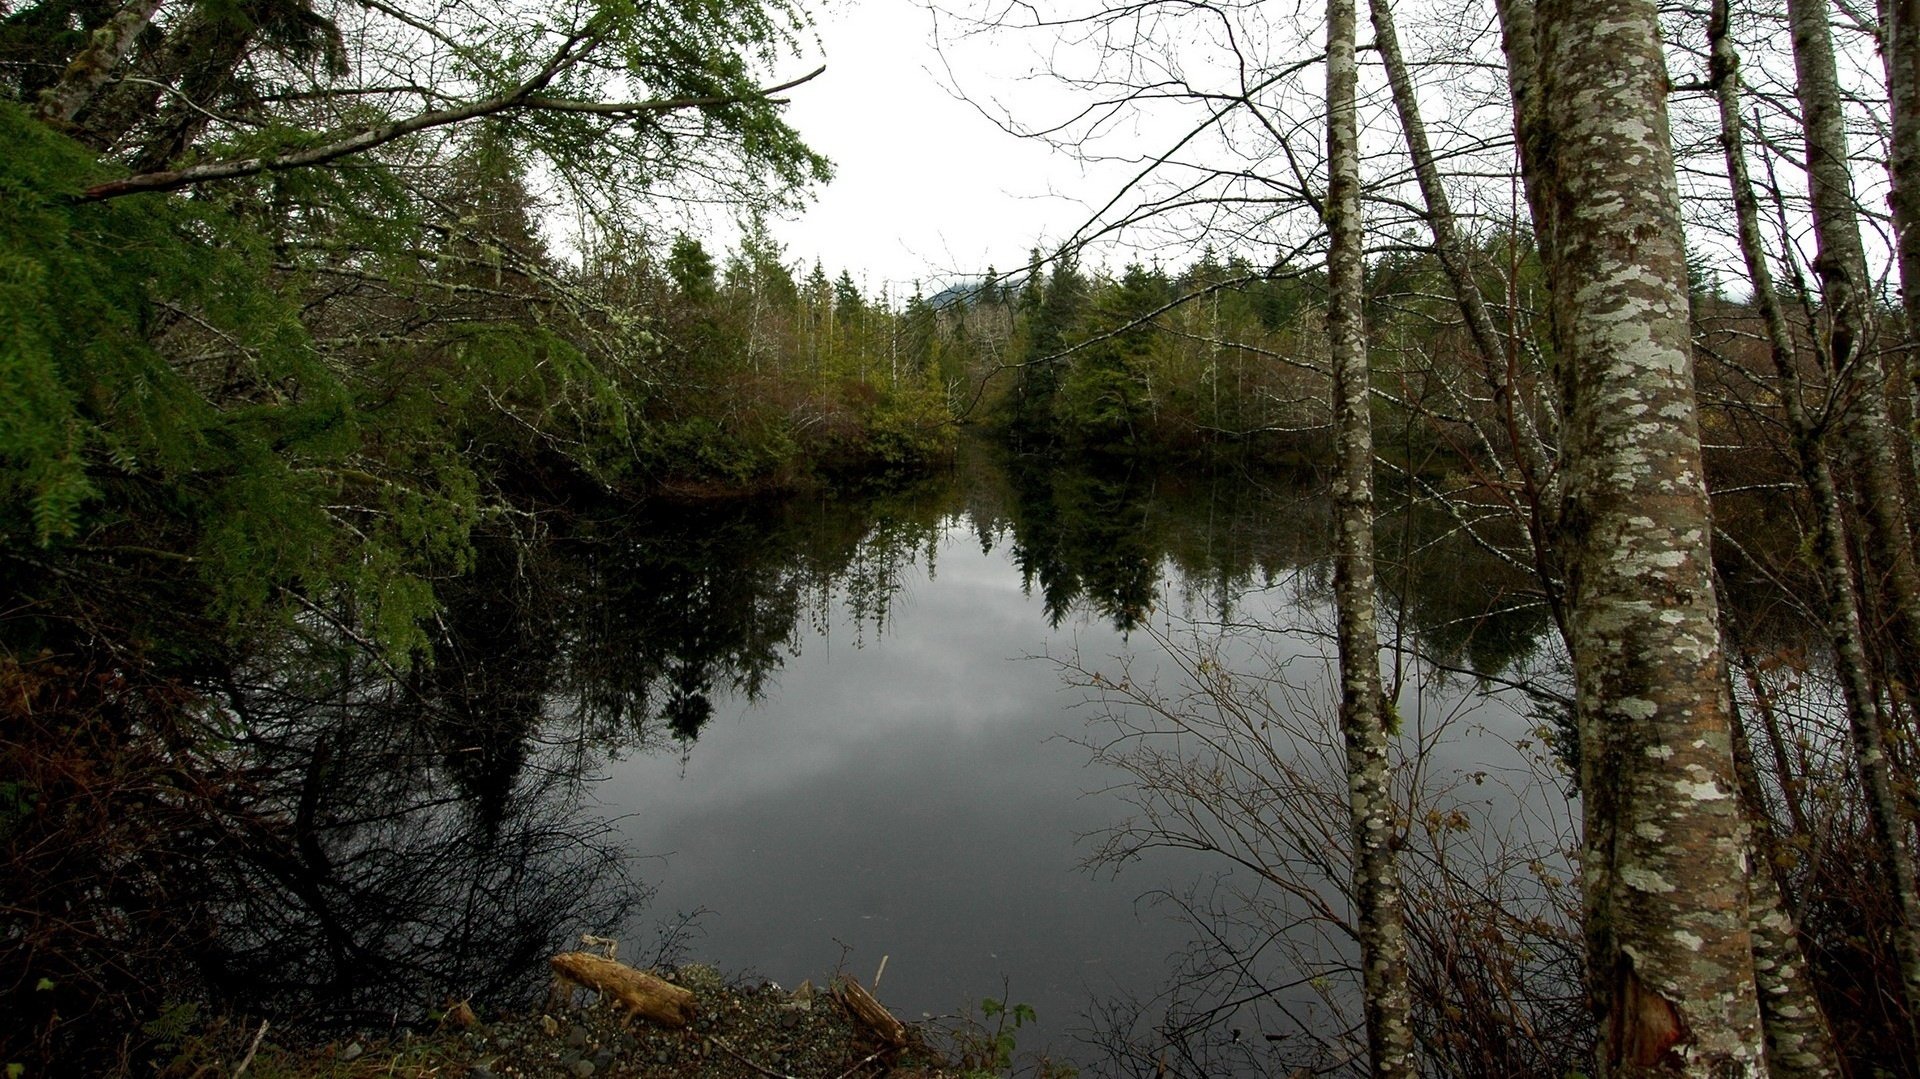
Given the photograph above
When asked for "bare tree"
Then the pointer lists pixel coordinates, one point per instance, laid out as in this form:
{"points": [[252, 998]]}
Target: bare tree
{"points": [[1363, 723]]}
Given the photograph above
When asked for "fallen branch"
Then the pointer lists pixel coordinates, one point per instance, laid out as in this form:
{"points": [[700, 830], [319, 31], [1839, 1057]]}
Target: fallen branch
{"points": [[869, 1012], [654, 999], [247, 1060]]}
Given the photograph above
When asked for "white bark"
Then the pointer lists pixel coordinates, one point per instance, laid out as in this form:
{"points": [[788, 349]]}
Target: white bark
{"points": [[1378, 913], [106, 49], [1847, 302], [1664, 854]]}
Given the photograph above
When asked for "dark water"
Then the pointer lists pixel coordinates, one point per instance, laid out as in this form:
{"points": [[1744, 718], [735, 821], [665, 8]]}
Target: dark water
{"points": [[785, 736], [909, 780]]}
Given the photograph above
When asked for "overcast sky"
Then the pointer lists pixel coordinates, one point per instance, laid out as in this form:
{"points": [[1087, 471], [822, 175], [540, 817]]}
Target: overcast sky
{"points": [[926, 186]]}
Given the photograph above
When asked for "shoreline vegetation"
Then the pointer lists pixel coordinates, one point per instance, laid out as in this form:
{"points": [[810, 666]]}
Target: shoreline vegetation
{"points": [[728, 1029], [289, 363]]}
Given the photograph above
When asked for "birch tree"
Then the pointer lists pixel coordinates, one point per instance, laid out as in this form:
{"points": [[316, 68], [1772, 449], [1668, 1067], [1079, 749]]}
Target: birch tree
{"points": [[1664, 850], [1798, 1040], [1847, 339], [1378, 917], [1845, 351]]}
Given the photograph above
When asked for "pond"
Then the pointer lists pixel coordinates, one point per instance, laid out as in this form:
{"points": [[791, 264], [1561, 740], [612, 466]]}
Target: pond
{"points": [[907, 777], [883, 731]]}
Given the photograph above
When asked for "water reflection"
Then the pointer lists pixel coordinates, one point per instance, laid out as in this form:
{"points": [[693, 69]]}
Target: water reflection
{"points": [[400, 838], [814, 710], [926, 799]]}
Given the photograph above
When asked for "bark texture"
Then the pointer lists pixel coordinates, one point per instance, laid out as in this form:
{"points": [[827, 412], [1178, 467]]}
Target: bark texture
{"points": [[1900, 51], [1846, 300], [1378, 914], [1799, 1041], [1664, 854], [642, 994], [106, 49]]}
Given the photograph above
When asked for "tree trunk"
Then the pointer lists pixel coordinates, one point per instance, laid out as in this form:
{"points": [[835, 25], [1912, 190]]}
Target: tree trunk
{"points": [[1842, 266], [1664, 853], [1798, 1037], [1900, 50], [106, 49], [1520, 42], [1378, 915], [1521, 431], [1843, 624], [1847, 306], [651, 998]]}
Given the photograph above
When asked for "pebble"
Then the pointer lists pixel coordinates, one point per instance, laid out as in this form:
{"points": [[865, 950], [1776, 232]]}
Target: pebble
{"points": [[603, 1058], [577, 1037], [480, 1071], [582, 1068], [352, 1052]]}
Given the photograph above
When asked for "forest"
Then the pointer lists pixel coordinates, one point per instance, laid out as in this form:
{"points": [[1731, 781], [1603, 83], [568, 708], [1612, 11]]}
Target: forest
{"points": [[317, 310]]}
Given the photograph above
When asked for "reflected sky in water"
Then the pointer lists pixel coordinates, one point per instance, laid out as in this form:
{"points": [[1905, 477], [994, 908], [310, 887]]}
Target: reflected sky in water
{"points": [[907, 794], [918, 794]]}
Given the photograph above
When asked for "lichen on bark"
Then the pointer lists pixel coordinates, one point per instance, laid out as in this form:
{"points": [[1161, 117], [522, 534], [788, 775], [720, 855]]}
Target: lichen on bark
{"points": [[1664, 851]]}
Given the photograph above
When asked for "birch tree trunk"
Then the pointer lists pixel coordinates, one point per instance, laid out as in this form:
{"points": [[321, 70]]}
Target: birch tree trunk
{"points": [[106, 48], [1664, 851], [1519, 40], [1845, 630], [1847, 306], [1900, 49], [1521, 431], [1378, 915]]}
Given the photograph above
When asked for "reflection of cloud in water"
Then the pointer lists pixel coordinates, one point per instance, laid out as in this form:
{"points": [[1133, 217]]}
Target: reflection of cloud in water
{"points": [[922, 796], [907, 798]]}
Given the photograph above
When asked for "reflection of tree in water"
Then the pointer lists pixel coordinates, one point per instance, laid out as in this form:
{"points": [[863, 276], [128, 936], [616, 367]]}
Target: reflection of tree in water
{"points": [[307, 831], [1460, 604], [363, 841], [383, 869], [1081, 535], [669, 610], [418, 833], [297, 840], [1111, 536]]}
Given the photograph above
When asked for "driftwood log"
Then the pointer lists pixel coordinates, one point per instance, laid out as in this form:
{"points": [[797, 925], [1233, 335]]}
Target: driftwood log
{"points": [[653, 999], [869, 1013]]}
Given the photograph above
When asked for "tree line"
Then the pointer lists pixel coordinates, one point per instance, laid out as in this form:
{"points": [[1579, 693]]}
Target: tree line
{"points": [[287, 333]]}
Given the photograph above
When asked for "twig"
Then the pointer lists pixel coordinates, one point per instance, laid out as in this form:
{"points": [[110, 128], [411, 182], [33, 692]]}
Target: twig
{"points": [[251, 1049], [870, 1058], [742, 1058]]}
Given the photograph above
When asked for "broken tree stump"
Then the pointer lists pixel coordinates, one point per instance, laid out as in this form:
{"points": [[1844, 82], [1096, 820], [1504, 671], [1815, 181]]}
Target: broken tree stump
{"points": [[653, 999], [869, 1012]]}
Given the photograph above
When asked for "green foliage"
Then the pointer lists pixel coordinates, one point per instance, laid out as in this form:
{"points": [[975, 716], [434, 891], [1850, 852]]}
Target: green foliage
{"points": [[164, 395], [909, 428], [987, 1048], [691, 269], [172, 1025]]}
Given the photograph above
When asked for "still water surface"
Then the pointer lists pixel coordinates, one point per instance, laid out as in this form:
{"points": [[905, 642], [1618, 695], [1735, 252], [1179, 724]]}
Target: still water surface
{"points": [[909, 793], [833, 730], [911, 780]]}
